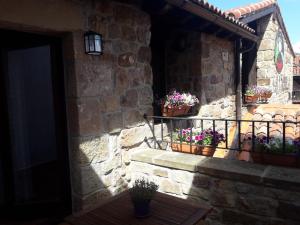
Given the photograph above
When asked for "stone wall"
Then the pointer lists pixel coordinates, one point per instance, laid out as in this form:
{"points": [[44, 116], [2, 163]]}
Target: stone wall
{"points": [[239, 192], [204, 67], [218, 78], [280, 83], [106, 96]]}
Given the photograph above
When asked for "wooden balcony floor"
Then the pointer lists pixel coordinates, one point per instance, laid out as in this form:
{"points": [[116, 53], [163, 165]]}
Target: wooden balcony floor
{"points": [[165, 210]]}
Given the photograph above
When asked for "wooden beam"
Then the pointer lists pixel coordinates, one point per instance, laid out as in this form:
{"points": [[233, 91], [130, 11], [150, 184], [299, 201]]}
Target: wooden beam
{"points": [[258, 15], [214, 18], [218, 31]]}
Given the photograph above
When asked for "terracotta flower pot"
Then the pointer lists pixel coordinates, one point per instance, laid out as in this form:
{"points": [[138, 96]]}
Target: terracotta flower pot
{"points": [[286, 160], [175, 111], [208, 151], [186, 148], [193, 149], [268, 95], [251, 98]]}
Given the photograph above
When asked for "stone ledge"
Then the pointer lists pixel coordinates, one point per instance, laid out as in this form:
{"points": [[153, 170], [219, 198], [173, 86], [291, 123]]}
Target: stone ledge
{"points": [[229, 169]]}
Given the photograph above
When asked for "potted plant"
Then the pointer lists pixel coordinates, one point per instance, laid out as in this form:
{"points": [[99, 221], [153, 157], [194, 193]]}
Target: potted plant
{"points": [[184, 141], [251, 94], [141, 193], [176, 103], [209, 140], [272, 152], [199, 143], [266, 93]]}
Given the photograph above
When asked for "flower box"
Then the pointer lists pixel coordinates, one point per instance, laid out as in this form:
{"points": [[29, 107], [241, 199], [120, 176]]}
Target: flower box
{"points": [[251, 98], [271, 152], [287, 160], [186, 148], [175, 110], [177, 104], [193, 149]]}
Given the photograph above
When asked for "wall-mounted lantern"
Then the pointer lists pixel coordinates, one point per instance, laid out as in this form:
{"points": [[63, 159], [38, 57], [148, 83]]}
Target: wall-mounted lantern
{"points": [[93, 43]]}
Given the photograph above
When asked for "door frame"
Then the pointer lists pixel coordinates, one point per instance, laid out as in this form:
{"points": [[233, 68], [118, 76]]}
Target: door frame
{"points": [[61, 131]]}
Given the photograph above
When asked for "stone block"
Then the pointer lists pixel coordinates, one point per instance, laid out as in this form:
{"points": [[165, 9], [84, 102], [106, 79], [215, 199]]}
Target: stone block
{"points": [[286, 178], [288, 210], [86, 180], [202, 181], [221, 199], [216, 79], [130, 99], [133, 137], [266, 45], [143, 35], [160, 172], [257, 205], [147, 155], [148, 74], [114, 31], [132, 118], [145, 96], [111, 103], [141, 168], [124, 14], [108, 166], [168, 186], [235, 217], [122, 80], [126, 59], [85, 117], [136, 76], [183, 177], [128, 33], [114, 122], [263, 82], [91, 76], [201, 193], [144, 55]]}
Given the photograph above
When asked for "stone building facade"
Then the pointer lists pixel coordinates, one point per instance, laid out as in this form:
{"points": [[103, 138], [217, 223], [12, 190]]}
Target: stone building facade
{"points": [[273, 55], [297, 65], [281, 82], [206, 69], [107, 96], [238, 192]]}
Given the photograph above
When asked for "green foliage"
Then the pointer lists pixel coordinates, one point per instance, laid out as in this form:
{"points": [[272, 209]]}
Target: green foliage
{"points": [[143, 190], [276, 147]]}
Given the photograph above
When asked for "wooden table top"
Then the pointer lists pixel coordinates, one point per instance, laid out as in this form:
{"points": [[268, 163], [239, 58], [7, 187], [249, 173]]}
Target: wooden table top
{"points": [[165, 210]]}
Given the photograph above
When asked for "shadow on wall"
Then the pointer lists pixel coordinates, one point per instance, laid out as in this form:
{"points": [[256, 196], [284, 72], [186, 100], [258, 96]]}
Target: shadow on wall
{"points": [[96, 173], [99, 160]]}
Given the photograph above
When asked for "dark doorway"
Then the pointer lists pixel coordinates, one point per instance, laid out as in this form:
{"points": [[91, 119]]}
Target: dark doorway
{"points": [[34, 174]]}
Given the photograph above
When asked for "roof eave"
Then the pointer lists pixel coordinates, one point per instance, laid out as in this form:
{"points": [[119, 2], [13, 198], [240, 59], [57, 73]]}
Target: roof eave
{"points": [[216, 19]]}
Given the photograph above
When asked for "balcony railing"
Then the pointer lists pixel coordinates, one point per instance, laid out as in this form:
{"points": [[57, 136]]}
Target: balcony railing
{"points": [[240, 131]]}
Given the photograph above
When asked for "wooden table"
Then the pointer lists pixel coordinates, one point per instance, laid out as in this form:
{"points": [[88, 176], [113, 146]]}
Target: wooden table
{"points": [[165, 210]]}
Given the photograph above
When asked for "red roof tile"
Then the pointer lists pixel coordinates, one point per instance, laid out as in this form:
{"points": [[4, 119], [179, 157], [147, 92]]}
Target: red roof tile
{"points": [[241, 11], [222, 14]]}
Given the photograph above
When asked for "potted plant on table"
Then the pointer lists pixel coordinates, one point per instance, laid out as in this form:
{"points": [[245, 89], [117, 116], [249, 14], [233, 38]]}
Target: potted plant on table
{"points": [[141, 193], [251, 94], [177, 104]]}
